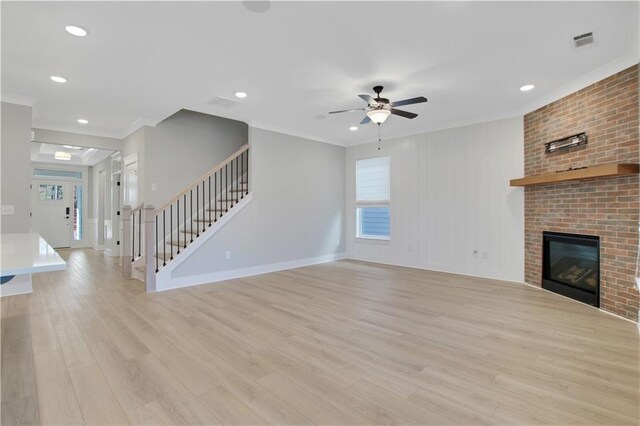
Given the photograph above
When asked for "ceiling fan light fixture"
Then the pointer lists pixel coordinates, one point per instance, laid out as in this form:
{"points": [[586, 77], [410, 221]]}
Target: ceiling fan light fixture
{"points": [[378, 116]]}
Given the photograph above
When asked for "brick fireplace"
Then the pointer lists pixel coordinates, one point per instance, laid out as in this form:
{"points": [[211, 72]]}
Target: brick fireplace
{"points": [[604, 207]]}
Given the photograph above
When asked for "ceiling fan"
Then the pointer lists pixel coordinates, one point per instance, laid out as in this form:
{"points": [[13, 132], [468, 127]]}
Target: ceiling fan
{"points": [[378, 109]]}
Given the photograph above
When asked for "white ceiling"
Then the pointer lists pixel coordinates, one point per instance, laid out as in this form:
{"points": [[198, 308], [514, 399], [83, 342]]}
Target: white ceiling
{"points": [[142, 61], [45, 152]]}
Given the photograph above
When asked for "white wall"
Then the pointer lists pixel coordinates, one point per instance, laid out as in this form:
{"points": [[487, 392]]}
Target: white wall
{"points": [[296, 214], [185, 146], [135, 144], [450, 195], [101, 227], [16, 166], [104, 165]]}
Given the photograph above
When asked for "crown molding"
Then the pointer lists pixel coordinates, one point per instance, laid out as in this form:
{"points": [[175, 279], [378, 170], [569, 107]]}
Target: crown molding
{"points": [[11, 98]]}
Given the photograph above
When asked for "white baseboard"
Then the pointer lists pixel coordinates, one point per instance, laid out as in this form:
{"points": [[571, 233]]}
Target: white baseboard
{"points": [[453, 270], [98, 247], [214, 277]]}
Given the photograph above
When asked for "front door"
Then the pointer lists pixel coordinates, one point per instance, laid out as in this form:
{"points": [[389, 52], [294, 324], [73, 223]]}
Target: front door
{"points": [[51, 211]]}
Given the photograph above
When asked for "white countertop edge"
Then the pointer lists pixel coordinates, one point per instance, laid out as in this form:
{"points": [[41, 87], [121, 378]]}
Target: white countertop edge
{"points": [[27, 253], [33, 269]]}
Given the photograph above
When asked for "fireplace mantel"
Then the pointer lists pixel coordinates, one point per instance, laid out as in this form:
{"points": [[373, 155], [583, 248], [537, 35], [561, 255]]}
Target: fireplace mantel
{"points": [[601, 171]]}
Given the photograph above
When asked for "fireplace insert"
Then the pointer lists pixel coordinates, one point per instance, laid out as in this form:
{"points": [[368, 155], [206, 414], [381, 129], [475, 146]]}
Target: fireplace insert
{"points": [[571, 266]]}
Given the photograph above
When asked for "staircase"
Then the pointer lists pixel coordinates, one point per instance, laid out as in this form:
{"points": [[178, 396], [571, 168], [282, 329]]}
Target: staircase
{"points": [[156, 238]]}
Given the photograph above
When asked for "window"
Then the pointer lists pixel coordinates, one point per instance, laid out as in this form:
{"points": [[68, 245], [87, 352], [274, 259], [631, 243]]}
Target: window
{"points": [[50, 192], [373, 218], [44, 173], [77, 212]]}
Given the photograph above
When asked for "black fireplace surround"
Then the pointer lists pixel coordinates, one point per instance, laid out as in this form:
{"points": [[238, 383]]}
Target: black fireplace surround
{"points": [[571, 266]]}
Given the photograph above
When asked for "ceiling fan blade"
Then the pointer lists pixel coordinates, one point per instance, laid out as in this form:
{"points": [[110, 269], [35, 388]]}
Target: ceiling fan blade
{"points": [[417, 100], [368, 99], [365, 120], [347, 110], [405, 114]]}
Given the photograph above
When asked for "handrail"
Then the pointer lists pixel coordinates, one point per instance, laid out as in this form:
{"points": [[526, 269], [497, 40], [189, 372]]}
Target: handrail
{"points": [[138, 207], [203, 177]]}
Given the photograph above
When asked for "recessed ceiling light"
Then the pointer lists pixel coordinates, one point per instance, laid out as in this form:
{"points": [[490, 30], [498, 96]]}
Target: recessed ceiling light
{"points": [[527, 87], [62, 155], [241, 95], [72, 147], [58, 79], [353, 128], [76, 31], [83, 121]]}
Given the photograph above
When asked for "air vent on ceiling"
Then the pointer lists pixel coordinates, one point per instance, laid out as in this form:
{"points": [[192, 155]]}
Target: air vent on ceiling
{"points": [[583, 40]]}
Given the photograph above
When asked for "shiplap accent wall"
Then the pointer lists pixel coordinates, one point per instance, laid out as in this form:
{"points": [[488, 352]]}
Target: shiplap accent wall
{"points": [[450, 196]]}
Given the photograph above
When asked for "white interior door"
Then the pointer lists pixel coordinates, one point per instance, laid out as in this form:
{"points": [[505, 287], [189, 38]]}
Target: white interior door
{"points": [[131, 197], [102, 186], [51, 214]]}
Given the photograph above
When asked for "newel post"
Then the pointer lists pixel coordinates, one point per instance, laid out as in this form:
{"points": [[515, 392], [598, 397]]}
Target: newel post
{"points": [[150, 246], [126, 242]]}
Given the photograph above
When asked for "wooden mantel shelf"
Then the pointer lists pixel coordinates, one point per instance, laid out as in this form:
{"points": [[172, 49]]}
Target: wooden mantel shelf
{"points": [[602, 171]]}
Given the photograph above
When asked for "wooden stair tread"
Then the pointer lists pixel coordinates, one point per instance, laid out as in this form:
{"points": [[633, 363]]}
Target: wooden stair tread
{"points": [[167, 256], [188, 231]]}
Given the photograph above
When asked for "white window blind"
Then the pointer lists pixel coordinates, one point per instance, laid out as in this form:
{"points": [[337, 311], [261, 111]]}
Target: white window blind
{"points": [[372, 179]]}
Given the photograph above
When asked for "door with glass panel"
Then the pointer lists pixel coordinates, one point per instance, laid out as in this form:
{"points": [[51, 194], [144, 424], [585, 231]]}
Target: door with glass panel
{"points": [[52, 211]]}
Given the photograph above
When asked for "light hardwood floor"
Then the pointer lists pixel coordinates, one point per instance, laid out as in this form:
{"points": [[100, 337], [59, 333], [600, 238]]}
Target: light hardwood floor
{"points": [[338, 343]]}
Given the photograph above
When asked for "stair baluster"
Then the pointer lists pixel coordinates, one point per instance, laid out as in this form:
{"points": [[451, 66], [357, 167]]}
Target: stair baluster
{"points": [[178, 223]]}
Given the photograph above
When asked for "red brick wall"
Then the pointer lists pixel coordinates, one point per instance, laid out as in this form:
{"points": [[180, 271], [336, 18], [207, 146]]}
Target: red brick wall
{"points": [[609, 208]]}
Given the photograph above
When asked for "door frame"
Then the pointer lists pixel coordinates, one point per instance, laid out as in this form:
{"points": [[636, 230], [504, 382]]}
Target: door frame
{"points": [[101, 205], [129, 159], [86, 240], [116, 205], [67, 201]]}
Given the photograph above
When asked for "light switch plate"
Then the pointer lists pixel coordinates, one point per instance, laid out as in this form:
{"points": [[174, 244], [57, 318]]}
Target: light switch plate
{"points": [[8, 210], [154, 186]]}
